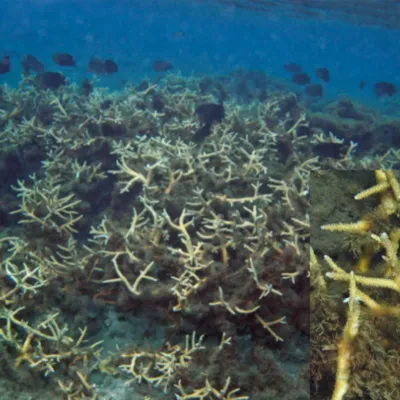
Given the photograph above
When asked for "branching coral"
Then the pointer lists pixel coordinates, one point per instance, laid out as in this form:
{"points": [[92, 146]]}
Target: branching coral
{"points": [[47, 207], [161, 369], [127, 213], [47, 349]]}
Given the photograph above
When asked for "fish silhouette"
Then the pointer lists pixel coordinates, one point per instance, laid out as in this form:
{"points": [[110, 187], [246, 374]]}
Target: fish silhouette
{"points": [[50, 80], [315, 90], [31, 63], [64, 59], [110, 67], [208, 113], [385, 89], [301, 79], [292, 68], [162, 66], [5, 65], [323, 73]]}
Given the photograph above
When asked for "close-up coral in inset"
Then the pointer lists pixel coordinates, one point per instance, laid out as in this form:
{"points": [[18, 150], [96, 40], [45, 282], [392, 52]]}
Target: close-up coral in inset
{"points": [[355, 309]]}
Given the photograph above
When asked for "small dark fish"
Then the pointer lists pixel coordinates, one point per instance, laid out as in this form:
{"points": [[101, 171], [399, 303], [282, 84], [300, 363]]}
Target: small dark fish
{"points": [[332, 150], [5, 65], [285, 149], [263, 95], [143, 86], [301, 79], [362, 84], [292, 68], [106, 104], [315, 90], [323, 73], [179, 34], [31, 63], [202, 133], [64, 60], [110, 67], [96, 66], [158, 104], [99, 67], [385, 89], [210, 112], [51, 80], [162, 66], [86, 87], [205, 85]]}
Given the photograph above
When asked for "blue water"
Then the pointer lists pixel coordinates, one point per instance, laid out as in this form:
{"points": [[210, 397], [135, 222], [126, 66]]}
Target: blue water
{"points": [[217, 39]]}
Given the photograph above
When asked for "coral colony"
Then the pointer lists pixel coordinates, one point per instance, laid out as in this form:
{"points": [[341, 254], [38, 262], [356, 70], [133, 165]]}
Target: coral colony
{"points": [[115, 216], [155, 240], [367, 350]]}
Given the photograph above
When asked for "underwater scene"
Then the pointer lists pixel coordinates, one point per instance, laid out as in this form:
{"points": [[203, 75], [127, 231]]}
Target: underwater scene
{"points": [[199, 200]]}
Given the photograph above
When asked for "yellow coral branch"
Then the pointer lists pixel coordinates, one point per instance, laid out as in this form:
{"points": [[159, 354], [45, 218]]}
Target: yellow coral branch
{"points": [[378, 188], [356, 227]]}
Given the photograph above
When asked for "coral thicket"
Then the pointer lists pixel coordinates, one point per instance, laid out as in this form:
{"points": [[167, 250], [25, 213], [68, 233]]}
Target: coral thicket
{"points": [[135, 258]]}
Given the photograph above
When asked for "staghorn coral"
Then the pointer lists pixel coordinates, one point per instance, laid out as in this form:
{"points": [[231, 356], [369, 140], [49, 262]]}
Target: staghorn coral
{"points": [[125, 216]]}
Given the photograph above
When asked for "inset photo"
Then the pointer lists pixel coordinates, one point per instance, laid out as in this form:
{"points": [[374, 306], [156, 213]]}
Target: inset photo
{"points": [[355, 285]]}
